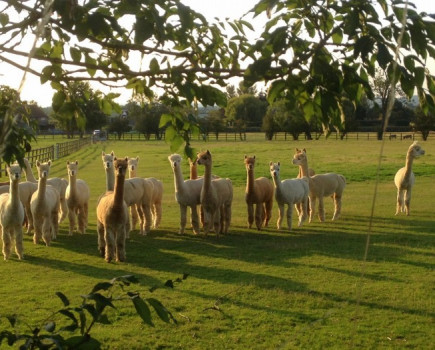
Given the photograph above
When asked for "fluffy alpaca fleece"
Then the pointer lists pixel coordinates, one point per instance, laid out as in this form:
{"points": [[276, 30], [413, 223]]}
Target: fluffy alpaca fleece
{"points": [[291, 192], [216, 198], [112, 216], [44, 205], [12, 215], [321, 185], [57, 182], [77, 198], [258, 193], [137, 193], [26, 189], [187, 194], [157, 195], [405, 179]]}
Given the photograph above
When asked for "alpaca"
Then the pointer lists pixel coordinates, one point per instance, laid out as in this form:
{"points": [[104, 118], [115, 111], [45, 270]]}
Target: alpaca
{"points": [[216, 198], [187, 194], [259, 192], [291, 192], [112, 216], [26, 189], [12, 215], [137, 192], [77, 199], [44, 205], [193, 169], [321, 185], [405, 179], [59, 183], [157, 196]]}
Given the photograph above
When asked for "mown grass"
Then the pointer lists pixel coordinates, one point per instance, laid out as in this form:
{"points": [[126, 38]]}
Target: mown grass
{"points": [[272, 289]]}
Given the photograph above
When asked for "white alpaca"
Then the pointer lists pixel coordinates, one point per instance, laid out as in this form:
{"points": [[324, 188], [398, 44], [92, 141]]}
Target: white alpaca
{"points": [[44, 205], [57, 182], [26, 190], [405, 179], [157, 195], [77, 199], [216, 198], [187, 194], [137, 193], [12, 215], [321, 185], [290, 192]]}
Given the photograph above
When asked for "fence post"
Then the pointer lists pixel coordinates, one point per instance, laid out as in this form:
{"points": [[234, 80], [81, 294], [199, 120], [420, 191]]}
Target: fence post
{"points": [[56, 151]]}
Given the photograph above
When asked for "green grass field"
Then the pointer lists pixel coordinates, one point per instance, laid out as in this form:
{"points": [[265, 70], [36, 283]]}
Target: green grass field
{"points": [[268, 289]]}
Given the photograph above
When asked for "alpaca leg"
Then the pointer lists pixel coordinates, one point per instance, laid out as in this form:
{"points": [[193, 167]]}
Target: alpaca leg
{"points": [[321, 209], [268, 209], [208, 221], [159, 213], [312, 204], [183, 218], [134, 216], [29, 219], [280, 216], [228, 214], [289, 216], [399, 205], [305, 206], [55, 225], [101, 240], [217, 222], [72, 220], [63, 210], [337, 206], [194, 220], [85, 217], [147, 218], [110, 243], [407, 201], [120, 244], [46, 231], [259, 215], [38, 221], [6, 243], [250, 214], [19, 241]]}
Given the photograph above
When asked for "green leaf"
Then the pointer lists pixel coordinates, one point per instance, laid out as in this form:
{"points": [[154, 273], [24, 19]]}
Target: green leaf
{"points": [[143, 29], [142, 309], [170, 133], [337, 37], [176, 143], [63, 298], [154, 66], [419, 76], [50, 326], [76, 54], [384, 57], [4, 19], [275, 90], [165, 119]]}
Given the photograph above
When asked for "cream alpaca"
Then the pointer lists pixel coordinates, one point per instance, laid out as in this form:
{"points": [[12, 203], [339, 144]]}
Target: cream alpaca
{"points": [[216, 198], [157, 195], [12, 215], [44, 205], [290, 192], [112, 216], [77, 199], [321, 185], [57, 182], [137, 193], [259, 192], [187, 194], [405, 179]]}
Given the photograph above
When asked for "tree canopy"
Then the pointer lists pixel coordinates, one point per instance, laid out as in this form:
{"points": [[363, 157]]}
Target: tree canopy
{"points": [[313, 53]]}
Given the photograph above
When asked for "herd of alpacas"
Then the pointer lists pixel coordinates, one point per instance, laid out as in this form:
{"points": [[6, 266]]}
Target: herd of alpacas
{"points": [[41, 205]]}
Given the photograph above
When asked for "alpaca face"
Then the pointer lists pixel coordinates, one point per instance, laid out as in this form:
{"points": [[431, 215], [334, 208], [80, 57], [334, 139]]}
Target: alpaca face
{"points": [[14, 172], [204, 158], [415, 150], [132, 163], [107, 160], [121, 166], [249, 163], [274, 169], [300, 157], [72, 168], [175, 160], [43, 169]]}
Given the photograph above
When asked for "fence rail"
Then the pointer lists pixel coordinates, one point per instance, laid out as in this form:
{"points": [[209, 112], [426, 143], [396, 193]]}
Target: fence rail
{"points": [[53, 152]]}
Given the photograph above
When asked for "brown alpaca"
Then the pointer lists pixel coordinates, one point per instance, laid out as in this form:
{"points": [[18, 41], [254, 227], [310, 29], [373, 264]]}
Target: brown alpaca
{"points": [[259, 192], [216, 198], [112, 216], [12, 215], [157, 193], [44, 205], [77, 199], [405, 179], [321, 185]]}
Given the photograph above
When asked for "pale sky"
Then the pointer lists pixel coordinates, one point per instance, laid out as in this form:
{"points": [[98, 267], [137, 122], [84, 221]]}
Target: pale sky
{"points": [[42, 94]]}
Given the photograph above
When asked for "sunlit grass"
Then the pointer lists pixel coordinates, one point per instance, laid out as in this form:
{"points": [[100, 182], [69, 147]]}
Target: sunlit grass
{"points": [[271, 289]]}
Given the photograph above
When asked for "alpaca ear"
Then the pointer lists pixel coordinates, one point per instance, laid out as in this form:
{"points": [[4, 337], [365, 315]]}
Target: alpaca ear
{"points": [[112, 154], [67, 162], [77, 162], [305, 151], [253, 156], [115, 158], [246, 156], [271, 163], [38, 163], [103, 154], [208, 152], [297, 150], [49, 162], [279, 164], [137, 158], [126, 159]]}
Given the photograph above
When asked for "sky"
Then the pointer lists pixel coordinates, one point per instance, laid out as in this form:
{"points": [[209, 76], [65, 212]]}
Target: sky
{"points": [[42, 94]]}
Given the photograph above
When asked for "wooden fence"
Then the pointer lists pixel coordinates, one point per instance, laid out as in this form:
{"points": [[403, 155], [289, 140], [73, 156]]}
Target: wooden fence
{"points": [[56, 151]]}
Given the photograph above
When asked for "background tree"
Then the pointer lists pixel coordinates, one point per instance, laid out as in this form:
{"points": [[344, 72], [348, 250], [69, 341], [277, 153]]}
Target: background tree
{"points": [[148, 119], [246, 111], [119, 125], [423, 123], [214, 122]]}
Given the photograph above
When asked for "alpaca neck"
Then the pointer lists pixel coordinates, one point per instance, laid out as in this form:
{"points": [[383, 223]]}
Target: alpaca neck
{"points": [[178, 180], [72, 184], [110, 179], [408, 166], [250, 181], [131, 173], [207, 177], [277, 183], [28, 171], [193, 172], [42, 185], [303, 169], [14, 196], [119, 191]]}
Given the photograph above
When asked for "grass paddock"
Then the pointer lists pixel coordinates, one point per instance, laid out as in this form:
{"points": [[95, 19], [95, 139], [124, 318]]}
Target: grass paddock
{"points": [[269, 289]]}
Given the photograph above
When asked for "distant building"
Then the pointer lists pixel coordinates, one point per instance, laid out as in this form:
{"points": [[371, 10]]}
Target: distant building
{"points": [[41, 118]]}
